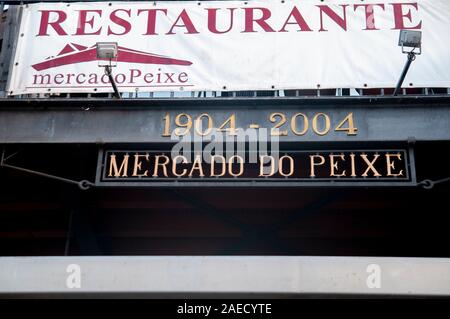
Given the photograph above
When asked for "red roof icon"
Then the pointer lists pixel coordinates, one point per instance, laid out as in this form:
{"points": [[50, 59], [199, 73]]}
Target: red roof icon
{"points": [[75, 53]]}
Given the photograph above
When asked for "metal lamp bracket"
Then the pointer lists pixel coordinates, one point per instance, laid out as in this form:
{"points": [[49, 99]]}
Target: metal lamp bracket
{"points": [[83, 184]]}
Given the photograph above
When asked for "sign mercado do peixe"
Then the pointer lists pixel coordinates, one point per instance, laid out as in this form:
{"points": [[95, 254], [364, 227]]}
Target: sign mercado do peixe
{"points": [[287, 168], [226, 151]]}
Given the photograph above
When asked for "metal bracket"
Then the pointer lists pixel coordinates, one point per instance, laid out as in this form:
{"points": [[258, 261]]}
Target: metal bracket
{"points": [[83, 185], [429, 184], [411, 58]]}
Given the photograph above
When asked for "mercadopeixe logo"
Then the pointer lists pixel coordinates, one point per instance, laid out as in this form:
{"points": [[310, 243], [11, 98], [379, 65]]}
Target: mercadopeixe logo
{"points": [[82, 78], [75, 53]]}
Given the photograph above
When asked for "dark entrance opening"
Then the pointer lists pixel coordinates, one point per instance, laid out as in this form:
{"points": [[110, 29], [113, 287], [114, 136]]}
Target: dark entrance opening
{"points": [[40, 216]]}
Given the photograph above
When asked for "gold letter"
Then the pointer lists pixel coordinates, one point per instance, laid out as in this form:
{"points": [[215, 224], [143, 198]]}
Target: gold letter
{"points": [[241, 165], [138, 164], [390, 165], [261, 165], [223, 165], [313, 163], [352, 160], [113, 165], [197, 165], [291, 165], [334, 165], [174, 165], [370, 165], [157, 164]]}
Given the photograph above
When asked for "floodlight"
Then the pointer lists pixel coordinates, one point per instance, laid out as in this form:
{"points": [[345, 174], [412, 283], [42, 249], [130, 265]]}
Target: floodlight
{"points": [[408, 39], [107, 50], [107, 53]]}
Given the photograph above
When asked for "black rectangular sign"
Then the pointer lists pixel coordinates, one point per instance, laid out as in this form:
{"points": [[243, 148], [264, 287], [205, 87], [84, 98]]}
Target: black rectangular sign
{"points": [[392, 167]]}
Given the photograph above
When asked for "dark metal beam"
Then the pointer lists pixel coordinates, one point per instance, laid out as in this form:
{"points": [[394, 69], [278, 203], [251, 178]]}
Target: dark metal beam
{"points": [[84, 233], [140, 120], [81, 231], [198, 102]]}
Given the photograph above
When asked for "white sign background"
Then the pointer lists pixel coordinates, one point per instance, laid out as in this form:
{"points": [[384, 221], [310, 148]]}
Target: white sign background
{"points": [[237, 60]]}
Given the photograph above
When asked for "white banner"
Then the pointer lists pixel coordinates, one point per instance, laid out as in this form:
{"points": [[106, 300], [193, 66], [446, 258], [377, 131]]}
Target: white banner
{"points": [[230, 45]]}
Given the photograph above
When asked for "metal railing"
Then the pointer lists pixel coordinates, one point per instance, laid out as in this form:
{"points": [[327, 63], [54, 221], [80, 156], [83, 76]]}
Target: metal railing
{"points": [[338, 92]]}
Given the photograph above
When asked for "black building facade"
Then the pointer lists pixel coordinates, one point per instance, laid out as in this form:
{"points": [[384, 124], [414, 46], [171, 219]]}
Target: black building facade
{"points": [[56, 199]]}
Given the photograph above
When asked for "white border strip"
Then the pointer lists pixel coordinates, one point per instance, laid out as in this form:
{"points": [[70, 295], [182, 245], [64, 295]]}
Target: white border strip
{"points": [[233, 274]]}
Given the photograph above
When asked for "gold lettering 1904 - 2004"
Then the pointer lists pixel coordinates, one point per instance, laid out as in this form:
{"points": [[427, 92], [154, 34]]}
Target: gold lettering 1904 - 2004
{"points": [[298, 124]]}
